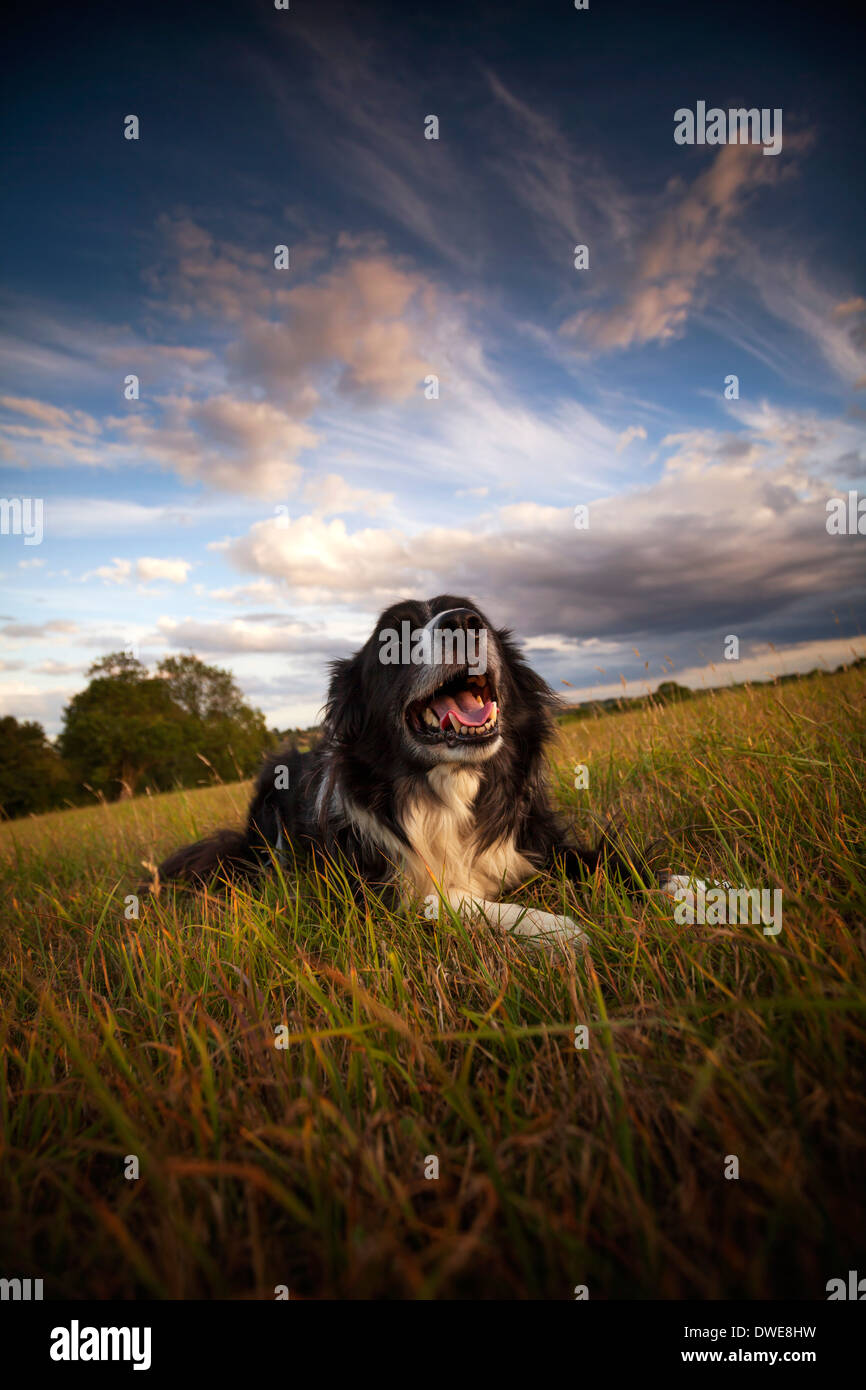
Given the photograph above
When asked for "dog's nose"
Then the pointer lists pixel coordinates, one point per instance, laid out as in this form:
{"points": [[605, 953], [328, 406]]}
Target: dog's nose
{"points": [[458, 620]]}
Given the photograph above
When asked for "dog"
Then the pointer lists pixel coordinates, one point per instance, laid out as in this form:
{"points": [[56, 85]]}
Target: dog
{"points": [[428, 781]]}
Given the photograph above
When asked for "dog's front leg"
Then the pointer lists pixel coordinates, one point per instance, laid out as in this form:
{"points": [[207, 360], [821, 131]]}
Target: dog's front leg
{"points": [[545, 928], [620, 860]]}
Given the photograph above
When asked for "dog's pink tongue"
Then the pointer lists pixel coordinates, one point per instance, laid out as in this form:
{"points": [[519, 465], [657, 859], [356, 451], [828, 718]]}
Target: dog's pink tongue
{"points": [[464, 707]]}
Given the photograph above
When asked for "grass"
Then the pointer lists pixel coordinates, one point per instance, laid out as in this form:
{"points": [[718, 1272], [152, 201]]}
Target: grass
{"points": [[304, 1165]]}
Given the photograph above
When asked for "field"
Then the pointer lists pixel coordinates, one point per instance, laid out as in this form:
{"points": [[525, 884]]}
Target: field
{"points": [[409, 1040]]}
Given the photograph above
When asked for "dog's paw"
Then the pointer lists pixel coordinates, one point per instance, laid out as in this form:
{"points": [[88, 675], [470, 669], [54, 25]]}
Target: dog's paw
{"points": [[689, 893], [676, 886], [548, 929]]}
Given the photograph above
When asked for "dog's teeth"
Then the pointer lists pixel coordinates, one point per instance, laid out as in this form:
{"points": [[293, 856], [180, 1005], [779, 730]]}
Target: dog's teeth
{"points": [[430, 718], [455, 722]]}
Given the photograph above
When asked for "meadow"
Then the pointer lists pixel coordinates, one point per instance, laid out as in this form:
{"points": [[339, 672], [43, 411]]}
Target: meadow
{"points": [[407, 1041]]}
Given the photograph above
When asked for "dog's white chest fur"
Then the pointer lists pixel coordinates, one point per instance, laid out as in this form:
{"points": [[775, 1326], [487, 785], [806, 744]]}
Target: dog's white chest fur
{"points": [[440, 828], [444, 858]]}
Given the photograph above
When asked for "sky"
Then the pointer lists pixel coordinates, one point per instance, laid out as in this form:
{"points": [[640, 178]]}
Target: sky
{"points": [[425, 397]]}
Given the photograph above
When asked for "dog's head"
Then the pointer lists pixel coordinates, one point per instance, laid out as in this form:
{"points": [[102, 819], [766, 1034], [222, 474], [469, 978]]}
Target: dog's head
{"points": [[438, 683]]}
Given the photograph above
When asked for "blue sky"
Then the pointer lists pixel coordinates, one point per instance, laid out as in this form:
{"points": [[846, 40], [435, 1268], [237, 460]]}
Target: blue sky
{"points": [[283, 475]]}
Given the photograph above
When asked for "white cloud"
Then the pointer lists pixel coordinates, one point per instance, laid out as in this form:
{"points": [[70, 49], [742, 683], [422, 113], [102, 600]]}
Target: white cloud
{"points": [[25, 700], [633, 432], [172, 571], [49, 432], [260, 591], [331, 494], [147, 569], [57, 668], [350, 333], [734, 529], [243, 635], [118, 572], [50, 628], [50, 415], [246, 446]]}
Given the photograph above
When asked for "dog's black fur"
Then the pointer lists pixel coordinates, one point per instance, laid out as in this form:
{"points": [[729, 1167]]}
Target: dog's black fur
{"points": [[350, 799]]}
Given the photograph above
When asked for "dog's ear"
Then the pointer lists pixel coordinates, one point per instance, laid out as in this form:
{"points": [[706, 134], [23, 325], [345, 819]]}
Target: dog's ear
{"points": [[344, 711]]}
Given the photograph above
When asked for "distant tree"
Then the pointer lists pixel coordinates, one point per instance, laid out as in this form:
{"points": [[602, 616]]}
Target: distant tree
{"points": [[121, 666], [129, 730], [205, 692], [32, 775], [124, 730], [221, 729], [669, 692]]}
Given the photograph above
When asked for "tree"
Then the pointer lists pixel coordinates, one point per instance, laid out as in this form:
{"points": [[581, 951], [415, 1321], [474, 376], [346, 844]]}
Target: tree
{"points": [[121, 666], [222, 730], [32, 776], [669, 692], [130, 729], [123, 730], [205, 692]]}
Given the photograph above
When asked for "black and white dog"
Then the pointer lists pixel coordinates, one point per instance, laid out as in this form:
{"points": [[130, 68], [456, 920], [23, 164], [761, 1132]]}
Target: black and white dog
{"points": [[429, 780]]}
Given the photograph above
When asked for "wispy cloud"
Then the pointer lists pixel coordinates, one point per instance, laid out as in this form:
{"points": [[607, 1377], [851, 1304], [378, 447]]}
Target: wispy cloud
{"points": [[147, 569], [685, 245]]}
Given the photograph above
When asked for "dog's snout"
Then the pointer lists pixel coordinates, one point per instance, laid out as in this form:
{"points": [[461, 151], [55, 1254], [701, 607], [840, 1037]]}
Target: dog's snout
{"points": [[458, 620]]}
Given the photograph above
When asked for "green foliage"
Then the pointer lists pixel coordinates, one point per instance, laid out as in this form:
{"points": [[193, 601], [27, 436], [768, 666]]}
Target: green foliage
{"points": [[220, 730], [203, 692], [123, 731], [670, 693], [129, 730], [32, 776]]}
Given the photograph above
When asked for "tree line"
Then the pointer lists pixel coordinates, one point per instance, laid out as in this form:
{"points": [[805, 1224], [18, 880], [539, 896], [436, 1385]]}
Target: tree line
{"points": [[131, 730]]}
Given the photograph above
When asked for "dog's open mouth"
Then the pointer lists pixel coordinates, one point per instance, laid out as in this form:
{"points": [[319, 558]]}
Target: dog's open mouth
{"points": [[463, 710]]}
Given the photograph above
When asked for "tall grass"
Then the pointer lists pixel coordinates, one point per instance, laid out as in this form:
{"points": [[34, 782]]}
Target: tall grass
{"points": [[409, 1040]]}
